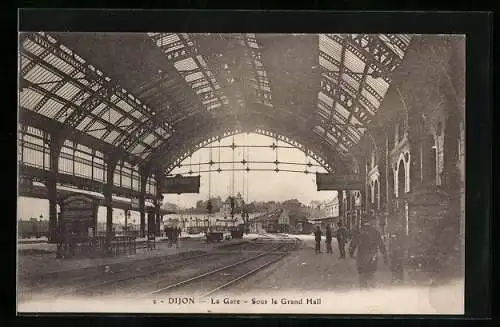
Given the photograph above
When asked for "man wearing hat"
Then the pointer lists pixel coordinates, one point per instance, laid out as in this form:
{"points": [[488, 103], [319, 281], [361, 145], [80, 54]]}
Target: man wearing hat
{"points": [[367, 241]]}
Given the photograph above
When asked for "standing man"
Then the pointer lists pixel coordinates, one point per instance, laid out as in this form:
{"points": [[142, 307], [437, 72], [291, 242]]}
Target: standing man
{"points": [[317, 238], [179, 232], [397, 253], [368, 242], [341, 239], [328, 240]]}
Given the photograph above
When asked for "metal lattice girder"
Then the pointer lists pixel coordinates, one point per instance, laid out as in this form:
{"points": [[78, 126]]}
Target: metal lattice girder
{"points": [[182, 49], [33, 119], [385, 59], [348, 63], [103, 94], [314, 147], [348, 91]]}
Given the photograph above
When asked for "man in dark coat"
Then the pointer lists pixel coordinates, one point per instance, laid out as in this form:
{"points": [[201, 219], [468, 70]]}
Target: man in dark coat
{"points": [[328, 240], [367, 241], [341, 239], [397, 252], [317, 238]]}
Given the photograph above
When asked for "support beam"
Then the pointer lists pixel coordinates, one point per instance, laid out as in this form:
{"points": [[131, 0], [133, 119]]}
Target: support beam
{"points": [[108, 198], [158, 202], [142, 204], [340, 198], [126, 212], [55, 146]]}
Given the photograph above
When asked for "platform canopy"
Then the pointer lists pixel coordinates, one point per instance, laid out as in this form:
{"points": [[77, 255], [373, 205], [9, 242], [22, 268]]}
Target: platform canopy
{"points": [[154, 98]]}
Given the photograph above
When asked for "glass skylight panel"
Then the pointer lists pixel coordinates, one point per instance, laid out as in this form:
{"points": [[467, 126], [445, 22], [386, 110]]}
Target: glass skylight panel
{"points": [[24, 61], [265, 88], [329, 46], [326, 99], [59, 64], [201, 60], [367, 106], [319, 130], [378, 84], [68, 91], [200, 84], [187, 64], [341, 110], [350, 80], [206, 102], [214, 106], [331, 139], [355, 121], [111, 116], [167, 39], [99, 109], [97, 130], [67, 112], [323, 110], [368, 96], [124, 106], [353, 133], [95, 87], [125, 123], [29, 98], [136, 114], [392, 46], [160, 131], [81, 98], [327, 64], [84, 123], [33, 47], [112, 136], [138, 148], [149, 139], [192, 77], [348, 89], [51, 108], [204, 90], [342, 147], [353, 62], [41, 75]]}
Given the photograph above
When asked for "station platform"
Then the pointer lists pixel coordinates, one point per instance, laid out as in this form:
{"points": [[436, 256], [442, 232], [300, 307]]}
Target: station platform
{"points": [[336, 279], [37, 259]]}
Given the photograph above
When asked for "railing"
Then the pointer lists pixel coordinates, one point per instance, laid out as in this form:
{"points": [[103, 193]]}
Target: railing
{"points": [[96, 246]]}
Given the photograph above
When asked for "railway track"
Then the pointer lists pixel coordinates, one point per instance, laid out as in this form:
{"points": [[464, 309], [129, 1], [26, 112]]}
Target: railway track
{"points": [[103, 287], [166, 274], [225, 276]]}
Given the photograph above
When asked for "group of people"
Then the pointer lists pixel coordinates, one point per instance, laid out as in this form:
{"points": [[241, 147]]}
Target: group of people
{"points": [[173, 234], [342, 237], [367, 241]]}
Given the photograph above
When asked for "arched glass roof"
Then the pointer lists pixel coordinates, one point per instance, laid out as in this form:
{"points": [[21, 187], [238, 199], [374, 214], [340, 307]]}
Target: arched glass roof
{"points": [[144, 94]]}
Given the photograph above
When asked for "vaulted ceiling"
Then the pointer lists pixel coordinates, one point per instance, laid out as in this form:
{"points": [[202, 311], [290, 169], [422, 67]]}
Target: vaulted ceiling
{"points": [[152, 96]]}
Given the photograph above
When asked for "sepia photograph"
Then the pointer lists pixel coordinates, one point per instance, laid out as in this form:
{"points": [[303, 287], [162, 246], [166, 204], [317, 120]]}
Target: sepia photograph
{"points": [[241, 173]]}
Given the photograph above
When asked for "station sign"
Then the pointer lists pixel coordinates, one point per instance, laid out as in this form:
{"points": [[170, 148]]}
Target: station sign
{"points": [[134, 203], [329, 182], [180, 184]]}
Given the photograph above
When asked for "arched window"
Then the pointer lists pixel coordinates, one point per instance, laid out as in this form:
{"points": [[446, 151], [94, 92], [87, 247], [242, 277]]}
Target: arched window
{"points": [[401, 178], [376, 194], [401, 129]]}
